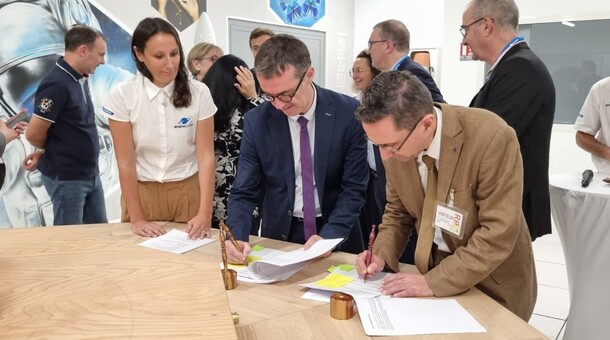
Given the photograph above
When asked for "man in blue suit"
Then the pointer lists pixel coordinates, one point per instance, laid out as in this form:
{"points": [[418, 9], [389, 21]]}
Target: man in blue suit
{"points": [[304, 150], [389, 45]]}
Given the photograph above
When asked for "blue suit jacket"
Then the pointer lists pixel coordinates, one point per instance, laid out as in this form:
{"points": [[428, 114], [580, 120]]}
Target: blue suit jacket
{"points": [[266, 165], [424, 76]]}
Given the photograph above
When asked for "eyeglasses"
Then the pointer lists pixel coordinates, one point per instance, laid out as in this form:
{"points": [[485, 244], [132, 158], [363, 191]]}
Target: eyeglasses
{"points": [[357, 70], [464, 28], [212, 58], [285, 98], [373, 42], [391, 148]]}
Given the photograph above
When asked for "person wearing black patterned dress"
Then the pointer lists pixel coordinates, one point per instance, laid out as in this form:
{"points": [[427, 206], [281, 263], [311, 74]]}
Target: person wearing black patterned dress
{"points": [[228, 124]]}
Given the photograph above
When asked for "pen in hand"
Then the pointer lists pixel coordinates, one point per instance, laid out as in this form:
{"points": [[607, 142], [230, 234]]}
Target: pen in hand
{"points": [[369, 252]]}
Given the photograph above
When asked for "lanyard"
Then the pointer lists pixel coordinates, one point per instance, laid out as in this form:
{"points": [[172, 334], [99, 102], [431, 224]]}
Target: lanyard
{"points": [[515, 41], [395, 67]]}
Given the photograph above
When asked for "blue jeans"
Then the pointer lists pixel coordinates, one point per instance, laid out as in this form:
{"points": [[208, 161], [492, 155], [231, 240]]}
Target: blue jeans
{"points": [[76, 202]]}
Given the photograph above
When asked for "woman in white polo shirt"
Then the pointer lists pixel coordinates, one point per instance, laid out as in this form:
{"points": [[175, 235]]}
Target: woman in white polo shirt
{"points": [[163, 130]]}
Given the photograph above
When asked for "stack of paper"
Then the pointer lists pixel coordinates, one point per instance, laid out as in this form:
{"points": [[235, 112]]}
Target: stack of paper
{"points": [[345, 279], [175, 241], [269, 265]]}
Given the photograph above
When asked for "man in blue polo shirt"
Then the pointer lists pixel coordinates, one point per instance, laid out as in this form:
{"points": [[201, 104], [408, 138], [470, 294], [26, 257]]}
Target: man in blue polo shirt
{"points": [[63, 124]]}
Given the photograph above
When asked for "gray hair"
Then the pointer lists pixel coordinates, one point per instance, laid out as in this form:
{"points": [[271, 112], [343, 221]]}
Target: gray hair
{"points": [[396, 32], [398, 94], [504, 12], [279, 52]]}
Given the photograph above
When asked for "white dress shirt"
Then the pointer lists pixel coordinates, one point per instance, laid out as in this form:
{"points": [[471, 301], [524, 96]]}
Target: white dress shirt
{"points": [[295, 136]]}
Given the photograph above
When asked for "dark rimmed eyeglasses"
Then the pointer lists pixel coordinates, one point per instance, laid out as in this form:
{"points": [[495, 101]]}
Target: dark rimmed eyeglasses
{"points": [[212, 58], [464, 28], [285, 98], [392, 148], [373, 42]]}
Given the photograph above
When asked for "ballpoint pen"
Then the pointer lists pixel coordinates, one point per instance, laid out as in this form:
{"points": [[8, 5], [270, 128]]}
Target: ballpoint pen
{"points": [[369, 252]]}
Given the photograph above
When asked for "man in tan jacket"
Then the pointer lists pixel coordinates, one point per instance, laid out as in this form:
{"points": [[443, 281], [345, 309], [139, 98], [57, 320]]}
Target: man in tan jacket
{"points": [[471, 229]]}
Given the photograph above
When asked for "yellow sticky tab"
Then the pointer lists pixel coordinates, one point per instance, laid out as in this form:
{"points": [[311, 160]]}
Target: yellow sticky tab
{"points": [[334, 281], [249, 260], [256, 247], [346, 267]]}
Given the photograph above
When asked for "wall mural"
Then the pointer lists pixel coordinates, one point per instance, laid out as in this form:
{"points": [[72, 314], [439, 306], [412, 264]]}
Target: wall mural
{"points": [[299, 12], [181, 13], [31, 41]]}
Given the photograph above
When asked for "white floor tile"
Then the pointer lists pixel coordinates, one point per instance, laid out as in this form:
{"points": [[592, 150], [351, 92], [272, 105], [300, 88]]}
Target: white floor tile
{"points": [[547, 252], [552, 238], [552, 302], [563, 330], [547, 326], [552, 274]]}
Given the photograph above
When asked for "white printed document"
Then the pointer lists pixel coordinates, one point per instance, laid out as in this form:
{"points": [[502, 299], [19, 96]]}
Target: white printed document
{"points": [[345, 279], [175, 241], [269, 265], [382, 316]]}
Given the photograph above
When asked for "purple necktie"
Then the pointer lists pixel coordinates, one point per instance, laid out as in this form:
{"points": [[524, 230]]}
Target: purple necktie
{"points": [[309, 208]]}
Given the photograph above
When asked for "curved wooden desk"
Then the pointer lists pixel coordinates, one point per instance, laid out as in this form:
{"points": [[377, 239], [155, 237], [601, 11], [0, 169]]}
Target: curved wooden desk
{"points": [[272, 311]]}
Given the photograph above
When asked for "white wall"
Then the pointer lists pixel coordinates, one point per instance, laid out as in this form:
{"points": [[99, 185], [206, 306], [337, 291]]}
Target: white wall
{"points": [[338, 25]]}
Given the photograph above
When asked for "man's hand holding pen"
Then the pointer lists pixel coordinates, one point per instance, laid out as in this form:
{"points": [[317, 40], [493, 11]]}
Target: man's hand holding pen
{"points": [[375, 266], [235, 255]]}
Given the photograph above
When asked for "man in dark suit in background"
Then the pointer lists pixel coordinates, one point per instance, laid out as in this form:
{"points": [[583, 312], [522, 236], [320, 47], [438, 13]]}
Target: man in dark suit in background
{"points": [[305, 150], [519, 89], [389, 45]]}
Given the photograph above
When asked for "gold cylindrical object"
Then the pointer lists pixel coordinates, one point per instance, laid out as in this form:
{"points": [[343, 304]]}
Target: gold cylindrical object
{"points": [[235, 318], [230, 278], [341, 306]]}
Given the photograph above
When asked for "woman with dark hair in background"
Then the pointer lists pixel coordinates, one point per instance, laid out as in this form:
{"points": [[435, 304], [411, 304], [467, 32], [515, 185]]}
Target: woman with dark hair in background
{"points": [[162, 125], [362, 72], [221, 78]]}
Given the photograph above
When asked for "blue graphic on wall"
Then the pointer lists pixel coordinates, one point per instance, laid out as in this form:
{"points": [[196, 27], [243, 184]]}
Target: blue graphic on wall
{"points": [[299, 12]]}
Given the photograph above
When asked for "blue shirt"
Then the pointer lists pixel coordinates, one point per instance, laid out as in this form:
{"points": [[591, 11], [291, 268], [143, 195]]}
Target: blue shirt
{"points": [[72, 147]]}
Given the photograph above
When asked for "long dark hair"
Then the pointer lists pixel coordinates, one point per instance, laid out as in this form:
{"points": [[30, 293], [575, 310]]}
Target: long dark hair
{"points": [[221, 79], [143, 32]]}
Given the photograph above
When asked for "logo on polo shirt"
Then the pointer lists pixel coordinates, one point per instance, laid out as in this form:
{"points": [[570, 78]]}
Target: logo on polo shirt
{"points": [[45, 105], [184, 122]]}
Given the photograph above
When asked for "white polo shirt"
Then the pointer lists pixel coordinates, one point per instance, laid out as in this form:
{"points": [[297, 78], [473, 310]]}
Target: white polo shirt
{"points": [[163, 135], [594, 119]]}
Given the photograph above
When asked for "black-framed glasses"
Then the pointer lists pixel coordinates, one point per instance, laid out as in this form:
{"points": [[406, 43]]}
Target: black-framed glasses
{"points": [[464, 28], [285, 98], [373, 42], [212, 58], [392, 148]]}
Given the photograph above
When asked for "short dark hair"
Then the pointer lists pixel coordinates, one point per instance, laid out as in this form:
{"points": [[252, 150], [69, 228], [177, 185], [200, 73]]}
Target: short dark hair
{"points": [[79, 35], [504, 12], [221, 78], [398, 94], [258, 32], [396, 32], [366, 55], [279, 52], [148, 27]]}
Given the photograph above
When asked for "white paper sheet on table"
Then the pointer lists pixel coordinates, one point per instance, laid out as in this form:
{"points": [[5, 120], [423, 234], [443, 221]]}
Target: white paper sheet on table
{"points": [[382, 316], [271, 265], [345, 279], [175, 241]]}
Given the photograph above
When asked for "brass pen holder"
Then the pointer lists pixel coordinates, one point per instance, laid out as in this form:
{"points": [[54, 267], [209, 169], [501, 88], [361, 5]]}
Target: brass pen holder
{"points": [[228, 275], [341, 306]]}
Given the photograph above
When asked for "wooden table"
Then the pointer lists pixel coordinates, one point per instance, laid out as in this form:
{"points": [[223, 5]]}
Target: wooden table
{"points": [[272, 311]]}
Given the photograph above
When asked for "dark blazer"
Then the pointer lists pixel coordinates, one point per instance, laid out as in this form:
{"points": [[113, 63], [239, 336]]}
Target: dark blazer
{"points": [[424, 76], [521, 91], [266, 163]]}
